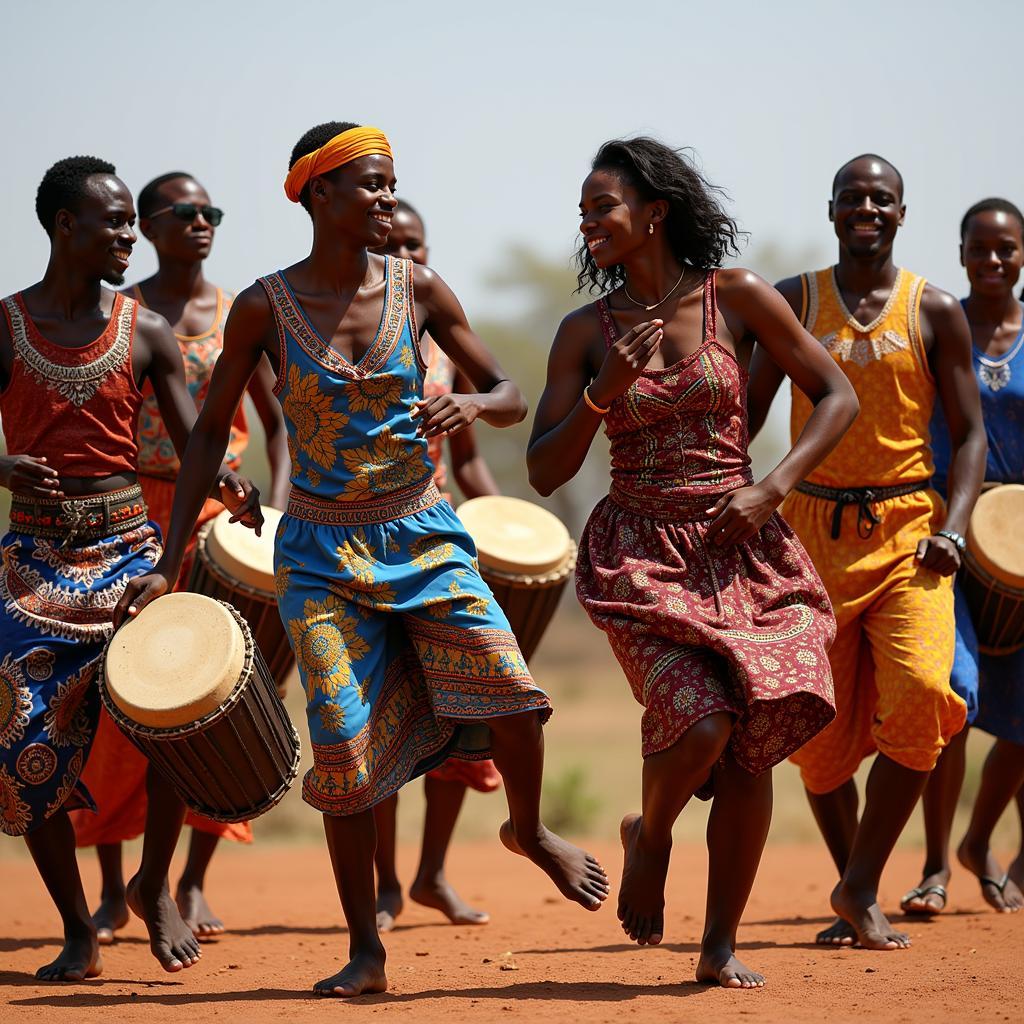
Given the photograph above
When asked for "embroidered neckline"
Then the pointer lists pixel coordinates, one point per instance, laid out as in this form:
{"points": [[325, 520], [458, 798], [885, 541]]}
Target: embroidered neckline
{"points": [[886, 309], [77, 383]]}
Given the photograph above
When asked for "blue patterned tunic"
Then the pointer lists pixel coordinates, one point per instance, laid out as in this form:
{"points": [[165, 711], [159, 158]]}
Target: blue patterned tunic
{"points": [[997, 704], [398, 640]]}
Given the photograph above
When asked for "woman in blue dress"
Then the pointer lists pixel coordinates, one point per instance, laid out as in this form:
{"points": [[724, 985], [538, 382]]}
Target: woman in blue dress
{"points": [[406, 658], [992, 252]]}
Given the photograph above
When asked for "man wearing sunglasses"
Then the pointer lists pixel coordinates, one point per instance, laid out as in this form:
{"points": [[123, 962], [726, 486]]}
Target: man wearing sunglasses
{"points": [[177, 216]]}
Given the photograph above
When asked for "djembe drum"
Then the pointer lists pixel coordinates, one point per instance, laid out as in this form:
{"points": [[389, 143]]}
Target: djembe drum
{"points": [[187, 685], [993, 569], [232, 564], [526, 557]]}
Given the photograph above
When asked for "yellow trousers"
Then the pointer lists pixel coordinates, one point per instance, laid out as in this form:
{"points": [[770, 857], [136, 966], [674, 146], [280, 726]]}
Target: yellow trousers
{"points": [[893, 653]]}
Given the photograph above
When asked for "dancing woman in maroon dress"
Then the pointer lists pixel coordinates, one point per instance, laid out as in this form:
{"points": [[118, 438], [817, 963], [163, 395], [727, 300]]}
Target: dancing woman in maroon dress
{"points": [[710, 604]]}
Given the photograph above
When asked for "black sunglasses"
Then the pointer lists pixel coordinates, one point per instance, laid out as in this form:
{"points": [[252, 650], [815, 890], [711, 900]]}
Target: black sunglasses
{"points": [[213, 215]]}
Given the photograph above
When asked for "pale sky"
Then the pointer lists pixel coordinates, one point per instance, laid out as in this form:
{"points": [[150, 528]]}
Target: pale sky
{"points": [[494, 111]]}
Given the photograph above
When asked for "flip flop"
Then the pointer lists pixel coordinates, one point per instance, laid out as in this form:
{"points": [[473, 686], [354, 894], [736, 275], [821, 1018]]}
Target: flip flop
{"points": [[919, 894], [998, 884]]}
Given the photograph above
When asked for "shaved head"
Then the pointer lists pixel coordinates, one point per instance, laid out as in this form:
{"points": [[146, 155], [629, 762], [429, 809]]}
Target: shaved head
{"points": [[881, 165]]}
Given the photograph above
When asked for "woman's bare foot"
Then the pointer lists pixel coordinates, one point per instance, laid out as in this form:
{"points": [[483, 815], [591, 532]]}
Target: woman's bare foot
{"points": [[575, 872], [389, 906], [838, 933], [78, 960], [998, 889], [170, 939], [861, 911], [196, 912], [642, 892], [437, 893], [720, 967], [111, 916], [1016, 870], [929, 897], [362, 975]]}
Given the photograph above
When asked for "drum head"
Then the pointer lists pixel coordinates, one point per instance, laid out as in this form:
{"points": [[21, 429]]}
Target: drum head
{"points": [[177, 661], [516, 536], [240, 554], [995, 537]]}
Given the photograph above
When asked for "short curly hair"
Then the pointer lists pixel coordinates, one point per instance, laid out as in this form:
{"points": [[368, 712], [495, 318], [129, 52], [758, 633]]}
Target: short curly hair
{"points": [[987, 205], [700, 233], [64, 185], [317, 136], [150, 200]]}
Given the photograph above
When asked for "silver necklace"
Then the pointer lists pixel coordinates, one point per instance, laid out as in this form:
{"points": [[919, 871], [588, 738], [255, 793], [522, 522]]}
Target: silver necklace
{"points": [[654, 305], [995, 373]]}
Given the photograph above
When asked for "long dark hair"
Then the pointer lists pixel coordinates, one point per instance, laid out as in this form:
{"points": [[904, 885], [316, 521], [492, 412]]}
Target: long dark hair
{"points": [[701, 234]]}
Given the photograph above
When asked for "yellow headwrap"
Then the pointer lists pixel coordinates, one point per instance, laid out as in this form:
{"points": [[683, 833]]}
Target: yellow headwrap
{"points": [[342, 149]]}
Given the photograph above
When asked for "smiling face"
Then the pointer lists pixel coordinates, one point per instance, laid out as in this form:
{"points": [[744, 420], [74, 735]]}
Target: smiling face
{"points": [[614, 219], [992, 252], [867, 207], [176, 239], [98, 235], [408, 238], [357, 200]]}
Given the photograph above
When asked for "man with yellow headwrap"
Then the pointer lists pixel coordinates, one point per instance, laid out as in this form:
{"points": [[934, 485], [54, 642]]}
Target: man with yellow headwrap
{"points": [[406, 657]]}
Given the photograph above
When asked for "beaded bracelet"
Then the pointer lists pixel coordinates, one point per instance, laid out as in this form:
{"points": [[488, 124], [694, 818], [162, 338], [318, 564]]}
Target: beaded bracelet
{"points": [[592, 405]]}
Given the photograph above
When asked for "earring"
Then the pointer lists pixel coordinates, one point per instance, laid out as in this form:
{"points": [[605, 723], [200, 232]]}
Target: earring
{"points": [[650, 229]]}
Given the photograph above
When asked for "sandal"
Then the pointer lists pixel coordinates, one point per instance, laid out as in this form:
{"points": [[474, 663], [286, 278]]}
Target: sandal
{"points": [[921, 892]]}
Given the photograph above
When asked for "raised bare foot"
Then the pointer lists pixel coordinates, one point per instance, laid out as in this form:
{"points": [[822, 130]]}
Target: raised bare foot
{"points": [[170, 939], [998, 889], [362, 975], [111, 916], [196, 912], [436, 892], [642, 892], [862, 912], [389, 906], [721, 967], [838, 933], [577, 874], [78, 960], [929, 897]]}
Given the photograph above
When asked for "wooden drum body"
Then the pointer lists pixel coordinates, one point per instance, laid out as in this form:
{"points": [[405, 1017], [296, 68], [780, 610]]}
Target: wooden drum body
{"points": [[232, 564], [526, 557], [993, 569], [187, 685]]}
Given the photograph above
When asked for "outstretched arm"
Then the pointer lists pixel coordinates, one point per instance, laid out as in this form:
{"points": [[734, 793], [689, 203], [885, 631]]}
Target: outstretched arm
{"points": [[949, 355], [496, 400], [565, 425], [261, 390], [753, 307], [246, 327]]}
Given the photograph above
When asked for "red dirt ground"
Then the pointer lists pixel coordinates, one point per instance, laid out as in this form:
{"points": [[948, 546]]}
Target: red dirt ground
{"points": [[539, 956]]}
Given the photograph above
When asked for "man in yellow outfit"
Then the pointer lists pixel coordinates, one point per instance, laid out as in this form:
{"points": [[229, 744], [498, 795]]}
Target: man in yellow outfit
{"points": [[881, 538]]}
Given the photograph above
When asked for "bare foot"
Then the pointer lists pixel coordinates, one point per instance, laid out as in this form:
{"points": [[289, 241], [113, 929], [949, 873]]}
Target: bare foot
{"points": [[838, 933], [862, 912], [78, 960], [642, 892], [929, 897], [577, 874], [1016, 870], [720, 967], [437, 893], [111, 916], [362, 975], [389, 906], [998, 890], [196, 912], [170, 939]]}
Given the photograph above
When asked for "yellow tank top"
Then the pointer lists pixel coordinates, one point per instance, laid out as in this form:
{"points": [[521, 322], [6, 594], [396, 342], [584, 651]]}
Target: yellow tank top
{"points": [[885, 361]]}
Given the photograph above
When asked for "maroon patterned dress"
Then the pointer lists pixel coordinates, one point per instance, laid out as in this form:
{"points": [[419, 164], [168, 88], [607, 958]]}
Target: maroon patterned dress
{"points": [[698, 628]]}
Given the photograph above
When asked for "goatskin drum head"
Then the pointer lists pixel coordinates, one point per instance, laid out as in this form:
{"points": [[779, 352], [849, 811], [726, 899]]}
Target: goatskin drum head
{"points": [[240, 554], [515, 536], [995, 537], [176, 661]]}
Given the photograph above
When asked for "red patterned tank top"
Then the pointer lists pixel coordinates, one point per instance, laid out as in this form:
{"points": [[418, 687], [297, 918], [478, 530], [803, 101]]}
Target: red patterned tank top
{"points": [[75, 407], [679, 434]]}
